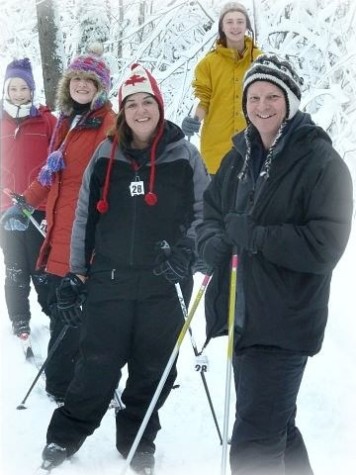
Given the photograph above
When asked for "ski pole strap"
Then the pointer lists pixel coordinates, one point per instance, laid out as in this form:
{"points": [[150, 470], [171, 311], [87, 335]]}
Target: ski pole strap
{"points": [[18, 200]]}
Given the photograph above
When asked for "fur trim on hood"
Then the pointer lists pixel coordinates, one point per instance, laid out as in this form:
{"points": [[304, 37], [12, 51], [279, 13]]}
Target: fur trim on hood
{"points": [[90, 66]]}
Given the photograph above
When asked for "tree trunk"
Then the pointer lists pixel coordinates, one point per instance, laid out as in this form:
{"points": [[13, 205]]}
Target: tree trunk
{"points": [[120, 33], [48, 35]]}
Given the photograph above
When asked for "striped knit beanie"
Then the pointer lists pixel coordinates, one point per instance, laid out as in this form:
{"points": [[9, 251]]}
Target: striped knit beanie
{"points": [[279, 72]]}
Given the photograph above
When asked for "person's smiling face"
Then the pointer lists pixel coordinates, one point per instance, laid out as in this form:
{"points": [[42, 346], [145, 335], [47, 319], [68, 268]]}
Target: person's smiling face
{"points": [[234, 27], [266, 109], [142, 115], [82, 89], [19, 92]]}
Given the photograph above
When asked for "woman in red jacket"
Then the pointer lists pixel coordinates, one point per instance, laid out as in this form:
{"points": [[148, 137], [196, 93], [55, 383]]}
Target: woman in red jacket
{"points": [[85, 117], [26, 132]]}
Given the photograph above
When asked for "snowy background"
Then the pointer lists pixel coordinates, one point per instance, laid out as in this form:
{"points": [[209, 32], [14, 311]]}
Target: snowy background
{"points": [[319, 35], [188, 442]]}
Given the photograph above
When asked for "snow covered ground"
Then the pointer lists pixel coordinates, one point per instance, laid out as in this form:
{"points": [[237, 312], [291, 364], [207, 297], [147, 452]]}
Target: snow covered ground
{"points": [[188, 442]]}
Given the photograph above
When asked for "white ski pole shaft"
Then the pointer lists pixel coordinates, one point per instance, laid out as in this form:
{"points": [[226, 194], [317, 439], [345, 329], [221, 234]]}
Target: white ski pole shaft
{"points": [[230, 350]]}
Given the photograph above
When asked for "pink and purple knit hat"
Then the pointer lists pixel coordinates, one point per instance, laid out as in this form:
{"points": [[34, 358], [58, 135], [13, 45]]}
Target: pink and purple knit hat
{"points": [[91, 65]]}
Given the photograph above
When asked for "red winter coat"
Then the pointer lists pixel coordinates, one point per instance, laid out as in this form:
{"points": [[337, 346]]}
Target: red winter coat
{"points": [[62, 195], [23, 152]]}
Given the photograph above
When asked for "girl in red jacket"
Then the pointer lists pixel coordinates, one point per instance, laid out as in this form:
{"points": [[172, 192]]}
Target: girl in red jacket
{"points": [[25, 136], [85, 116]]}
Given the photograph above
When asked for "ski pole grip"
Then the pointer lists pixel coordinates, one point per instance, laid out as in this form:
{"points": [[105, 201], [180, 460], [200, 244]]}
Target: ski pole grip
{"points": [[17, 199]]}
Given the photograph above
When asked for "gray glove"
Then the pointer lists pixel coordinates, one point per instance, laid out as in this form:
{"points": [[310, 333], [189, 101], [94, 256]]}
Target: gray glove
{"points": [[190, 125], [14, 218]]}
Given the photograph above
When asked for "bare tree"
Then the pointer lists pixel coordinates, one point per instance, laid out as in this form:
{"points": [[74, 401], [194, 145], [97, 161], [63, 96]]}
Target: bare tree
{"points": [[52, 64], [120, 22]]}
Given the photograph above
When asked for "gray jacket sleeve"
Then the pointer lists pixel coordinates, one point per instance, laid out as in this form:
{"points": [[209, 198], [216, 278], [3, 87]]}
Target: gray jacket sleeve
{"points": [[79, 248], [201, 181]]}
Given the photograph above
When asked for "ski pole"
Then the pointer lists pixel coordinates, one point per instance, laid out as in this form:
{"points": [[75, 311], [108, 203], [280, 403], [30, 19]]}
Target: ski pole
{"points": [[118, 401], [196, 352], [230, 349], [44, 365], [165, 247], [19, 201], [166, 372]]}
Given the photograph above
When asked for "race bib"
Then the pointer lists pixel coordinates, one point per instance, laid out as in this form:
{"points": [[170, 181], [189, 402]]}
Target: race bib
{"points": [[137, 188]]}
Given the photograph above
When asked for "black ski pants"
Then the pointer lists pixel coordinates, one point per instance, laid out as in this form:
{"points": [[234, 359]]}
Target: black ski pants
{"points": [[265, 439], [21, 249], [132, 319], [60, 368]]}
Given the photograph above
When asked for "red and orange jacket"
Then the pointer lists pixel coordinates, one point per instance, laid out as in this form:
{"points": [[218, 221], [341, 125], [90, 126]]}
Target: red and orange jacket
{"points": [[62, 195]]}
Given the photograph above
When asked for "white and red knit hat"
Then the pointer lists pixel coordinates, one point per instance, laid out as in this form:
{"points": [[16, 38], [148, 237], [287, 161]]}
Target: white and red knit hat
{"points": [[139, 79]]}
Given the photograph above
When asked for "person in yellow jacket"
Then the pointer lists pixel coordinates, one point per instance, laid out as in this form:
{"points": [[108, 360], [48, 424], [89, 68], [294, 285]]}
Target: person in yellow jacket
{"points": [[218, 85]]}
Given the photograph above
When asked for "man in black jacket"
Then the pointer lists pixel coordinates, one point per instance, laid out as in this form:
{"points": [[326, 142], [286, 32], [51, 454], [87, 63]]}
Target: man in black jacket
{"points": [[282, 199]]}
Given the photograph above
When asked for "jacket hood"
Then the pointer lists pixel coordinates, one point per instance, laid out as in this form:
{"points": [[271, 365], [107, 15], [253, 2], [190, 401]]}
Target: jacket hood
{"points": [[301, 125]]}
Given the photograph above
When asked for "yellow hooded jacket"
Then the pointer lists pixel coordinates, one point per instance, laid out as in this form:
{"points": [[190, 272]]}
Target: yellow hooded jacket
{"points": [[218, 86]]}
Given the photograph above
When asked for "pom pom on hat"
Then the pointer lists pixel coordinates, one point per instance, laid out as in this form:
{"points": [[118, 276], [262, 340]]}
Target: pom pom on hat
{"points": [[21, 68], [279, 72], [102, 206]]}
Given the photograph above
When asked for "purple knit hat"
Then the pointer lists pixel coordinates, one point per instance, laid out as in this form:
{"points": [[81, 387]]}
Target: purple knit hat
{"points": [[93, 65], [90, 65], [21, 68]]}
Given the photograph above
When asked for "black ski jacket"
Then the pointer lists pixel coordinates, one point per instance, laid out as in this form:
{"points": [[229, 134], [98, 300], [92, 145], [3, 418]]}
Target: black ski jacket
{"points": [[125, 237], [306, 207]]}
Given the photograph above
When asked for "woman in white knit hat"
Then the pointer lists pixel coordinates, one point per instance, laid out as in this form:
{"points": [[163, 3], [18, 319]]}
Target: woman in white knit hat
{"points": [[282, 200], [217, 85], [144, 186]]}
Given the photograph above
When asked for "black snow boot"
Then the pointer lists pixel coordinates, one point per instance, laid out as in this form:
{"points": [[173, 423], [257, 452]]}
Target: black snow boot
{"points": [[53, 455], [143, 463]]}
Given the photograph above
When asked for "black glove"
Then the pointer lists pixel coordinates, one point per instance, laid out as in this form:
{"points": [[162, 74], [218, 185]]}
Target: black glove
{"points": [[244, 233], [175, 263], [190, 125], [15, 220], [71, 294], [215, 250]]}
